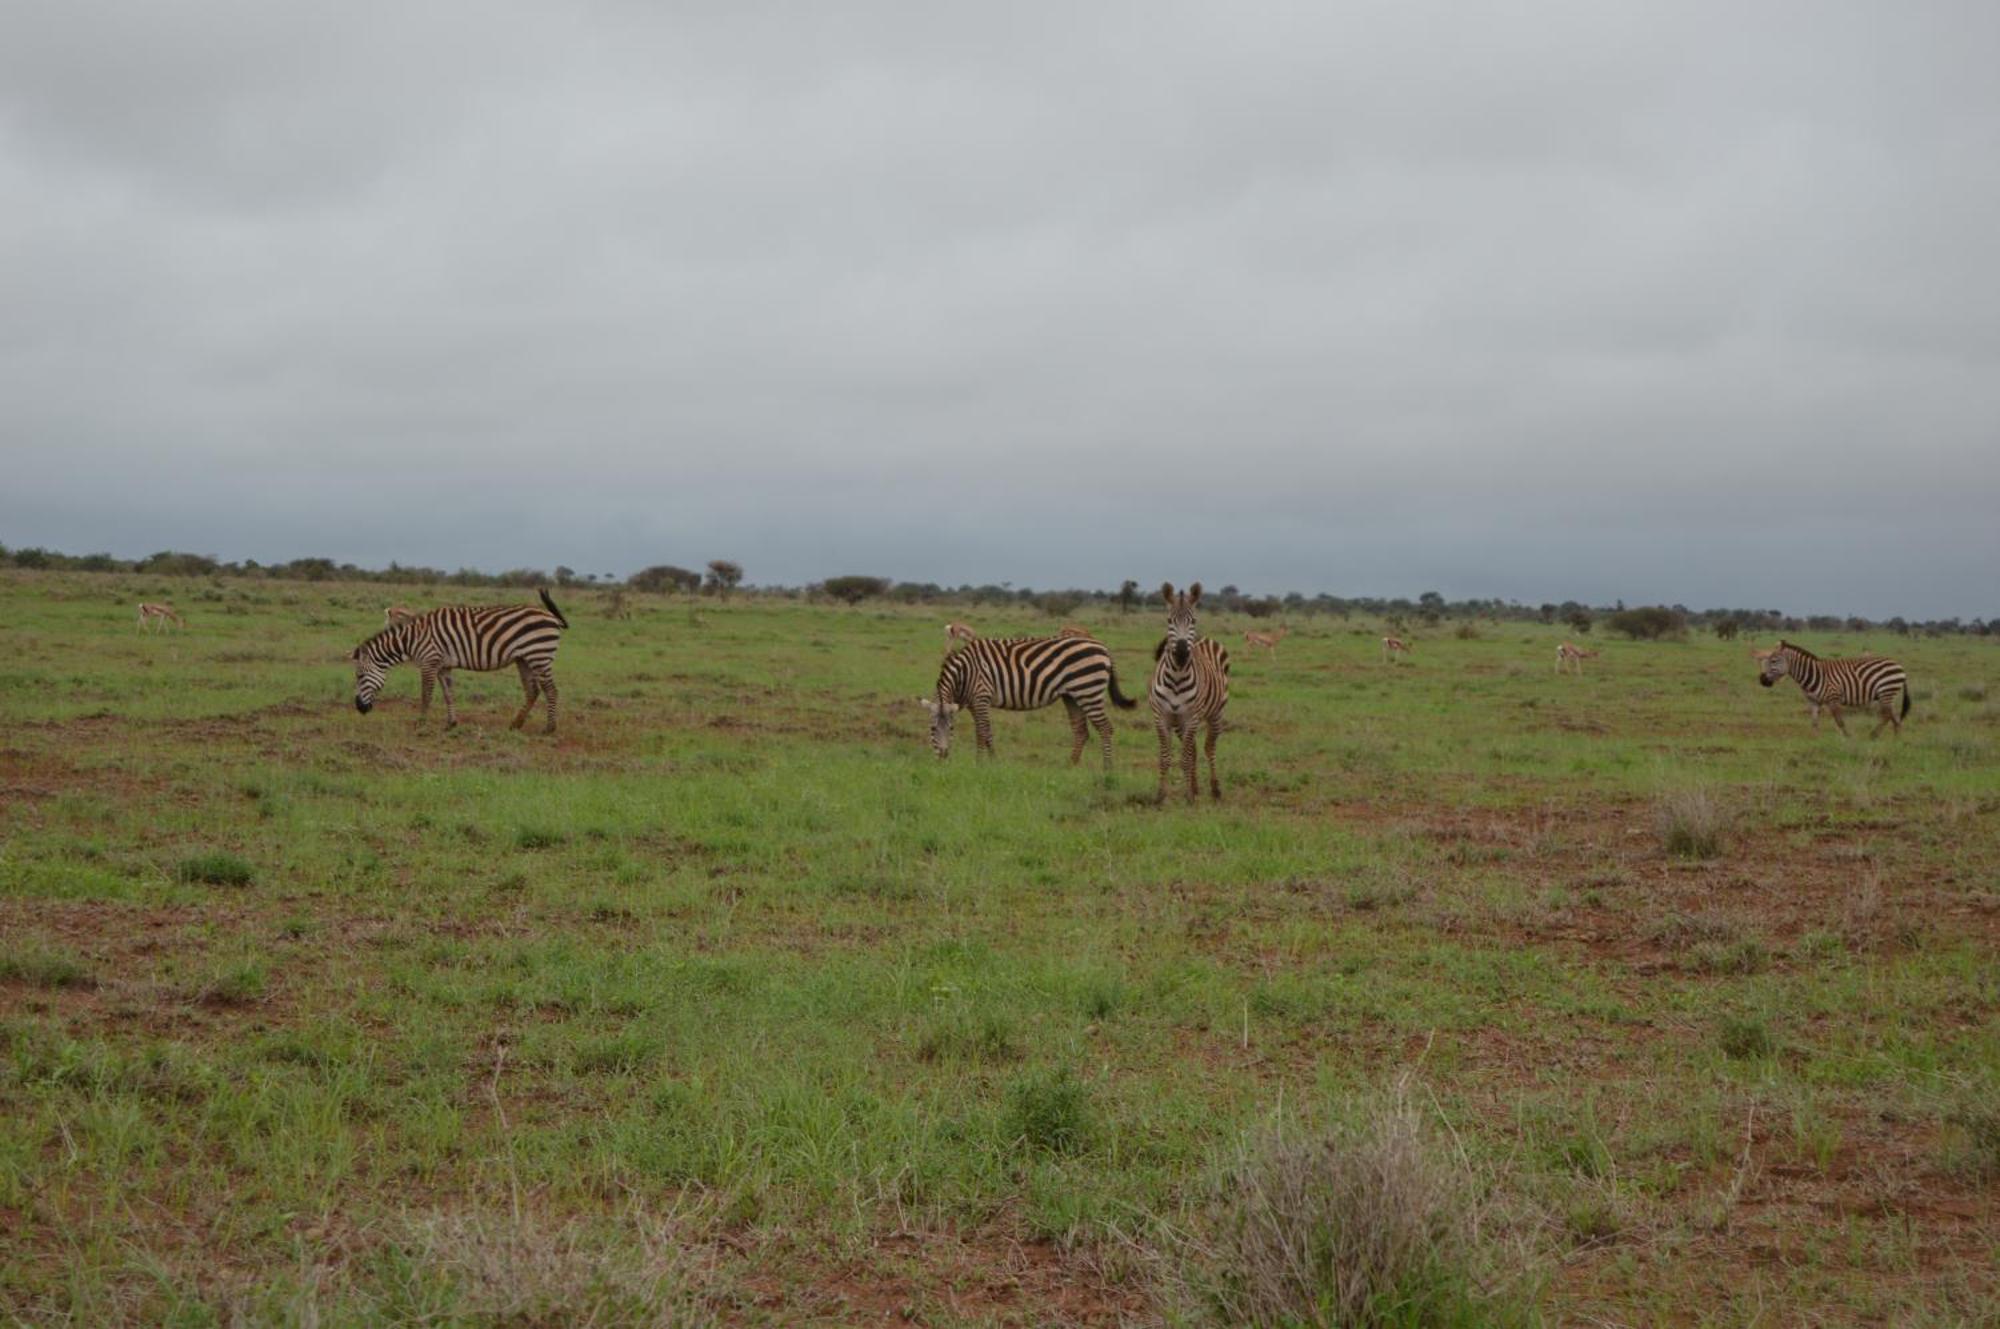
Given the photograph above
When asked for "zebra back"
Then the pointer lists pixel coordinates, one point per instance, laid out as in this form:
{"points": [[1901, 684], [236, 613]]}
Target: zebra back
{"points": [[1023, 673]]}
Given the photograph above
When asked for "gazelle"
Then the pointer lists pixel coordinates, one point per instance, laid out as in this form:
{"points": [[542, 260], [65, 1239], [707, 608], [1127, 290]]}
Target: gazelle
{"points": [[1268, 640], [151, 615], [960, 632], [1574, 655], [399, 614], [1390, 647]]}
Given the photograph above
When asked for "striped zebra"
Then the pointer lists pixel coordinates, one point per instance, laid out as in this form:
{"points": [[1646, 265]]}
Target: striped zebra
{"points": [[1190, 688], [1871, 680], [1026, 674], [465, 637]]}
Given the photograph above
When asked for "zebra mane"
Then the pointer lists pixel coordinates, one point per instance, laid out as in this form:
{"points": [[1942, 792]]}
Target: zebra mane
{"points": [[406, 627], [1784, 645]]}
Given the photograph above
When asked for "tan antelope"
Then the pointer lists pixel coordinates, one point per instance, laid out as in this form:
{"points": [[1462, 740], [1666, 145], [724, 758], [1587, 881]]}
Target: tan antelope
{"points": [[151, 615], [1392, 645], [1574, 655], [399, 614], [1073, 630], [1268, 640], [960, 632]]}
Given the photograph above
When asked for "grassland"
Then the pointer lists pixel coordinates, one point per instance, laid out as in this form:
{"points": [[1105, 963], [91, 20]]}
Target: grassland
{"points": [[730, 1002]]}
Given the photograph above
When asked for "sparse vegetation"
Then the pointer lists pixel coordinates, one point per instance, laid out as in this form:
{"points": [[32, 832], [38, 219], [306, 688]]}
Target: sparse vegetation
{"points": [[1692, 822], [852, 590], [739, 971], [215, 869]]}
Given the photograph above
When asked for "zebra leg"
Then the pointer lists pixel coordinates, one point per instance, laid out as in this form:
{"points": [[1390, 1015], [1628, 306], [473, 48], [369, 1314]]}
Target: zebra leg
{"points": [[547, 683], [982, 725], [1833, 709], [444, 686], [1166, 754], [1214, 784], [1079, 732], [1888, 718], [1187, 757], [1102, 723], [529, 686], [424, 707]]}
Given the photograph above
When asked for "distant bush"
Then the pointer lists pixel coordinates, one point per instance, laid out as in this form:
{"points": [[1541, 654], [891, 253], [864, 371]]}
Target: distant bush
{"points": [[665, 577], [1061, 604], [216, 869], [1579, 621], [1727, 628], [1466, 632], [852, 590], [723, 576], [1649, 623], [1372, 1224]]}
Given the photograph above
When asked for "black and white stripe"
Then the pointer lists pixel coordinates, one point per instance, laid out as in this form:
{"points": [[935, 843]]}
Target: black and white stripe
{"points": [[1871, 680], [1190, 688], [1025, 674], [464, 637]]}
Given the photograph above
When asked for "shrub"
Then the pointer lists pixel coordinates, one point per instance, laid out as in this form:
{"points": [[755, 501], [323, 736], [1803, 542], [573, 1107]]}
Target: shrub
{"points": [[1376, 1223], [1579, 621], [722, 576], [216, 869], [1050, 1112], [538, 837], [1466, 632], [852, 590], [1727, 628], [664, 577], [1649, 623], [1691, 823]]}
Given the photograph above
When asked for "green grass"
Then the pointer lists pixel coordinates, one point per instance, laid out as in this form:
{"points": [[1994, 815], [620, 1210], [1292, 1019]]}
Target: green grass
{"points": [[731, 1002]]}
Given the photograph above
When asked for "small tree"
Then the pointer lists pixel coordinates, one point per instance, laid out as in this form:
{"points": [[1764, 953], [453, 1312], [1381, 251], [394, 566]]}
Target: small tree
{"points": [[723, 576], [1649, 622], [564, 576], [853, 590], [665, 577], [1128, 595], [1727, 628], [1579, 621], [1061, 604]]}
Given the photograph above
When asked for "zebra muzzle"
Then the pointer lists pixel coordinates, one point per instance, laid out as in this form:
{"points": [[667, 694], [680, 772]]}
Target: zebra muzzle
{"points": [[363, 706]]}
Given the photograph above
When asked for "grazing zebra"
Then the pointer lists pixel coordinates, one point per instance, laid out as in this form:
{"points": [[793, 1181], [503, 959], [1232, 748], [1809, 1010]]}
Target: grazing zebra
{"points": [[1872, 680], [1025, 674], [1390, 646], [151, 615], [1190, 688], [1575, 655], [1268, 640], [464, 637]]}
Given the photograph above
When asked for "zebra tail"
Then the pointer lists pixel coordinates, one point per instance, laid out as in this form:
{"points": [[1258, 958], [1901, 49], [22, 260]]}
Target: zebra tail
{"points": [[1906, 702], [1118, 699], [551, 605]]}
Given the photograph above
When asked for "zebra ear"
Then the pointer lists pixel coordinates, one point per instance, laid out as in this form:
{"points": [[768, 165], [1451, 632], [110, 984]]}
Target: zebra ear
{"points": [[1194, 594], [1167, 591]]}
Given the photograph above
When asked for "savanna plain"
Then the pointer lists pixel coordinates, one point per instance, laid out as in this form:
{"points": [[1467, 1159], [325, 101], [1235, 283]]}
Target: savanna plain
{"points": [[1483, 996]]}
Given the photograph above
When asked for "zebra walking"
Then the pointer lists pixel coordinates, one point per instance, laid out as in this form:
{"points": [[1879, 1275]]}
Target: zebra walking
{"points": [[1026, 674], [465, 637], [1190, 688], [1871, 680]]}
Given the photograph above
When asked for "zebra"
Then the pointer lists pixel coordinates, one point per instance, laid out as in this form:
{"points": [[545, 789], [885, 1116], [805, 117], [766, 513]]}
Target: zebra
{"points": [[1190, 688], [466, 637], [1026, 674], [1871, 680]]}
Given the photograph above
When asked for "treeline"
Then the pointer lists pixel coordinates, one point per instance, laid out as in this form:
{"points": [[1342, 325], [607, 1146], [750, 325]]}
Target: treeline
{"points": [[722, 577]]}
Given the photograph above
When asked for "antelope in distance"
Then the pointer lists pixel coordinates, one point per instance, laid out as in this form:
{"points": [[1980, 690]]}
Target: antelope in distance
{"points": [[1391, 647], [1573, 655], [152, 615], [1869, 680], [1190, 689], [959, 632], [398, 614], [1268, 640]]}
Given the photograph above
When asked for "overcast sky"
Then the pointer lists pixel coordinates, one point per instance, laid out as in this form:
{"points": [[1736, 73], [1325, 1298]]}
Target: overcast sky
{"points": [[1673, 301]]}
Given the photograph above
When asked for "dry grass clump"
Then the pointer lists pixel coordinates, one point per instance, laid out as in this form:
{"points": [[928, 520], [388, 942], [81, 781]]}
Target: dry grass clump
{"points": [[1691, 822], [1374, 1223]]}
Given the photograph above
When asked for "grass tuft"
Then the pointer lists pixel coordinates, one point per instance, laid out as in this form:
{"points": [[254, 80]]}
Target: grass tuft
{"points": [[1050, 1112], [538, 837], [1376, 1223], [1691, 822], [215, 869], [1744, 1038], [43, 968]]}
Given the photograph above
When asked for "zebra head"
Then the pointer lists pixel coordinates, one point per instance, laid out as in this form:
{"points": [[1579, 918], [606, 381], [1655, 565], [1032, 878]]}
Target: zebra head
{"points": [[372, 659], [1773, 664], [941, 713], [1181, 631]]}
